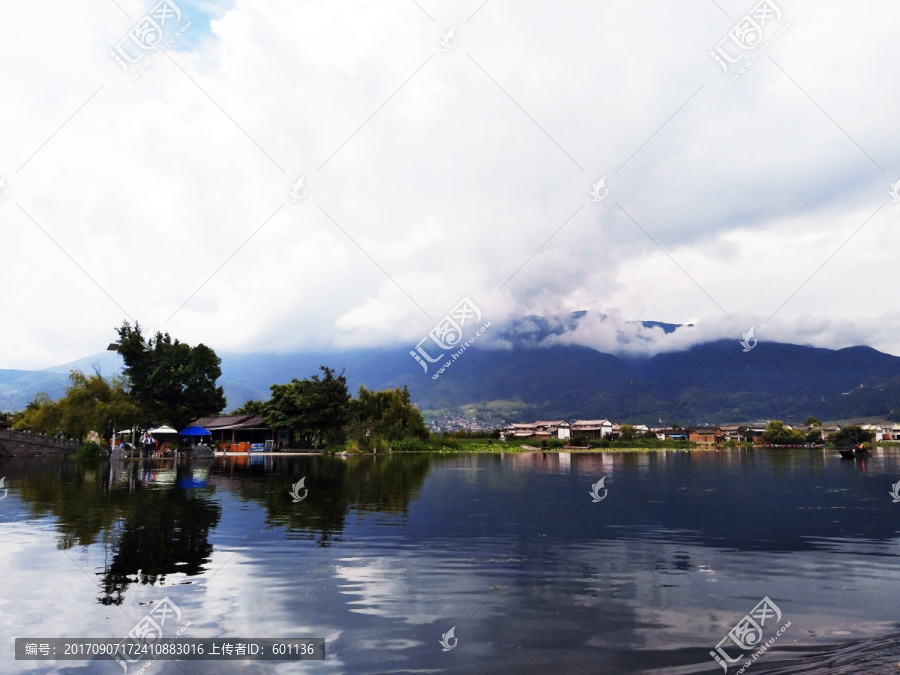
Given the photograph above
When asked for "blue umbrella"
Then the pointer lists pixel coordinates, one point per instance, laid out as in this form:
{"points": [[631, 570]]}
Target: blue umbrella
{"points": [[194, 431]]}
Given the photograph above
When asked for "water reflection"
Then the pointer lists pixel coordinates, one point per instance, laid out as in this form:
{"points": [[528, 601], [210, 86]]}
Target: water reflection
{"points": [[153, 517], [387, 553]]}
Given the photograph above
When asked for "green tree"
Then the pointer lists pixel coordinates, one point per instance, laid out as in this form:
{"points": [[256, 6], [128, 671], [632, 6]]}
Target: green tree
{"points": [[387, 414], [41, 416], [777, 434], [96, 404], [627, 432], [317, 409], [171, 381], [814, 436], [250, 407], [812, 422], [90, 404], [851, 435]]}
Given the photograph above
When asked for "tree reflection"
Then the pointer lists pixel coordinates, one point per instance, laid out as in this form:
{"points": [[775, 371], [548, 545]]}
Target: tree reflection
{"points": [[148, 522], [154, 518], [336, 486], [165, 531]]}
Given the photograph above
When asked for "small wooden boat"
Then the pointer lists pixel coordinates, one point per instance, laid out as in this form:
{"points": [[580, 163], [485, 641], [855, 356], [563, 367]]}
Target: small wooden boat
{"points": [[858, 451]]}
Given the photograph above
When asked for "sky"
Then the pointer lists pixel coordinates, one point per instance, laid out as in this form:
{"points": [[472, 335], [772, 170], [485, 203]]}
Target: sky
{"points": [[286, 175]]}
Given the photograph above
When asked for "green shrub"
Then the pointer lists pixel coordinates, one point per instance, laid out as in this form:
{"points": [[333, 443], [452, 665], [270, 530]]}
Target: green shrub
{"points": [[91, 452], [851, 435], [447, 442]]}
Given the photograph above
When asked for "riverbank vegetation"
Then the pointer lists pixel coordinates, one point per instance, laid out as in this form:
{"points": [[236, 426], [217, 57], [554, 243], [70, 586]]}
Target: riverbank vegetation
{"points": [[165, 381]]}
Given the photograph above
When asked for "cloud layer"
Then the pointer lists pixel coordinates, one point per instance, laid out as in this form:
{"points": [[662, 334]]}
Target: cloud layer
{"points": [[434, 173]]}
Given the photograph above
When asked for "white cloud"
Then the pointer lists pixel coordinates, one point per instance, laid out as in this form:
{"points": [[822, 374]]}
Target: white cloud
{"points": [[461, 177]]}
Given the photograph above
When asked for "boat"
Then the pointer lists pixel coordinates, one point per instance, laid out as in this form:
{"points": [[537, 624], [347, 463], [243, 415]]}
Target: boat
{"points": [[850, 453]]}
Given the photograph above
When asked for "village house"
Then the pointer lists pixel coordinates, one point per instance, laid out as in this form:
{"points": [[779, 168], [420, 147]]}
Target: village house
{"points": [[521, 430], [241, 430], [734, 432], [886, 432], [671, 434], [542, 429], [545, 429], [754, 434], [592, 428], [706, 435]]}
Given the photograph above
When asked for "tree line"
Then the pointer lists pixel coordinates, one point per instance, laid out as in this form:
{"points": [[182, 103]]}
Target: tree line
{"points": [[322, 413], [165, 381]]}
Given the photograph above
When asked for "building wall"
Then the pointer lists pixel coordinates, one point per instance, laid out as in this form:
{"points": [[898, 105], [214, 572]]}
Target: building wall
{"points": [[19, 444], [592, 432]]}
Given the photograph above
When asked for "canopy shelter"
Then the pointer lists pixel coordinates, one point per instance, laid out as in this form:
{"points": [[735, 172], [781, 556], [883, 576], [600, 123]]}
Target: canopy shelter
{"points": [[194, 431], [237, 430], [163, 430]]}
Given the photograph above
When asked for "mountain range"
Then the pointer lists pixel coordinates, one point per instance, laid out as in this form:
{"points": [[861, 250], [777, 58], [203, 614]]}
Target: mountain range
{"points": [[715, 382]]}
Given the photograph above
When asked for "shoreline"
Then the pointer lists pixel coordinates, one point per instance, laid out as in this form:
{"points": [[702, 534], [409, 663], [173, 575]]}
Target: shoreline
{"points": [[497, 450]]}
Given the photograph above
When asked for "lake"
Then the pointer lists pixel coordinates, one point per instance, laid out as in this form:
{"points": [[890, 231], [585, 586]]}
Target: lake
{"points": [[534, 565]]}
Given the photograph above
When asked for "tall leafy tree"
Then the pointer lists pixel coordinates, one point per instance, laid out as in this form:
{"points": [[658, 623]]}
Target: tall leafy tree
{"points": [[387, 414], [172, 382], [42, 416], [251, 406], [778, 434], [317, 409], [851, 435], [90, 404]]}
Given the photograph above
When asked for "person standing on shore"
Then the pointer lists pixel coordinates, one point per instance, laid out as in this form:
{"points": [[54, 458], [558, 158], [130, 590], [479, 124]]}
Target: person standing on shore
{"points": [[147, 445]]}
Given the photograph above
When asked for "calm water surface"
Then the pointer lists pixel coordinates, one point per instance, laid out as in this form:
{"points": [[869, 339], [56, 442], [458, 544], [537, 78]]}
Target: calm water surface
{"points": [[384, 555]]}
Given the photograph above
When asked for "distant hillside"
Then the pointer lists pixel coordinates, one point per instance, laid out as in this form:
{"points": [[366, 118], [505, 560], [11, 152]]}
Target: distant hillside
{"points": [[715, 382], [18, 387]]}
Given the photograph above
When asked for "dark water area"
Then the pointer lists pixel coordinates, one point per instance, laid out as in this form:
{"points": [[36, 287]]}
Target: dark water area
{"points": [[534, 568]]}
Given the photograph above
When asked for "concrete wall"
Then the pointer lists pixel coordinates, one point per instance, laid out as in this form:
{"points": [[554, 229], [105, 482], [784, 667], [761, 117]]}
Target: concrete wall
{"points": [[19, 444]]}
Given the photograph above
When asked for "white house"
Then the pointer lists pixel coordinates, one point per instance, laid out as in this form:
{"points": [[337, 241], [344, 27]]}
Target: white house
{"points": [[591, 428], [887, 432], [522, 430]]}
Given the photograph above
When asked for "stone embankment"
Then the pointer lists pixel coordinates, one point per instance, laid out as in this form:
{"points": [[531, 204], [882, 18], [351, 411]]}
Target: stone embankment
{"points": [[20, 444]]}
